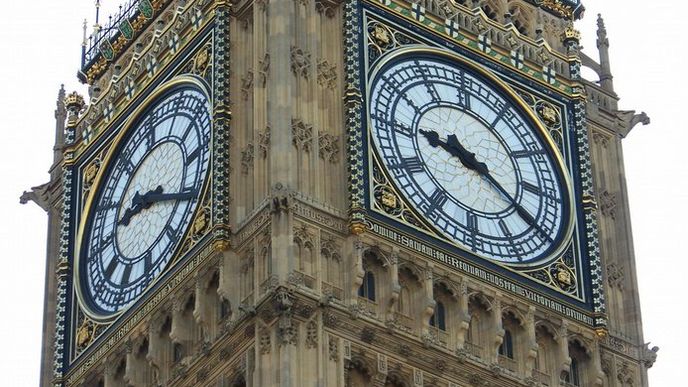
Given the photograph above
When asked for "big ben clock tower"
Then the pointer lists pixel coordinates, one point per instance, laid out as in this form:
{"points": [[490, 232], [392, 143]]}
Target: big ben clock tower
{"points": [[342, 193]]}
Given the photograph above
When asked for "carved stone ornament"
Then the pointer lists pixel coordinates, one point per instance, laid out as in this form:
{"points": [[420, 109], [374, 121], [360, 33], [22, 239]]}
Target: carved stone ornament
{"points": [[311, 334], [327, 7], [600, 139], [608, 204], [282, 199], [302, 135], [247, 158], [649, 355], [367, 335], [300, 61], [264, 69], [333, 348], [264, 142], [615, 276], [247, 84], [328, 146], [327, 74], [264, 341]]}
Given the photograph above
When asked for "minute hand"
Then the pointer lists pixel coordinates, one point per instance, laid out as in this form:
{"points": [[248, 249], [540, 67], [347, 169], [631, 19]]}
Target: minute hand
{"points": [[153, 197]]}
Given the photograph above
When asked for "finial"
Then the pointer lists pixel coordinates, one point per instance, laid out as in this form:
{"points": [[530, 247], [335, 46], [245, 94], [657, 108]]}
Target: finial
{"points": [[570, 34], [97, 11], [96, 26], [601, 32], [75, 104], [85, 26]]}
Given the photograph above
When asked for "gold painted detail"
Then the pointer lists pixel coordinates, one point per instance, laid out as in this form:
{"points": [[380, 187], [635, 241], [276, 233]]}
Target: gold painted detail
{"points": [[558, 7], [559, 274], [90, 172], [74, 101], [382, 38], [357, 228], [465, 27], [546, 113], [201, 61], [388, 201], [570, 33], [85, 334]]}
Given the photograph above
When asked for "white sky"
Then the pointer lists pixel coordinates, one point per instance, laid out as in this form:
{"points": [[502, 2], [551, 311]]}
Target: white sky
{"points": [[40, 49]]}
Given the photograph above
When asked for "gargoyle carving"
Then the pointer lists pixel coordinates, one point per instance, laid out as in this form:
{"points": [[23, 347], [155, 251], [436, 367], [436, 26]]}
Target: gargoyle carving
{"points": [[630, 120], [38, 195]]}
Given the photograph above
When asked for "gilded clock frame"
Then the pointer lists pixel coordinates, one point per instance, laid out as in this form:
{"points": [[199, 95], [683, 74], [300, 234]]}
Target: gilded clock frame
{"points": [[570, 284], [96, 186], [567, 187]]}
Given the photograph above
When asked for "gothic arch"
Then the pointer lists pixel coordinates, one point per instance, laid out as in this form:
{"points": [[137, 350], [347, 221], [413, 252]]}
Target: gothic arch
{"points": [[493, 10], [396, 379], [447, 286], [481, 298], [510, 310], [521, 17], [375, 253]]}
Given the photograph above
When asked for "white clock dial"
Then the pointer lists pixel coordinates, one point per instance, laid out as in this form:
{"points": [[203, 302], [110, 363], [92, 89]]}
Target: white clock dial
{"points": [[145, 199], [467, 156]]}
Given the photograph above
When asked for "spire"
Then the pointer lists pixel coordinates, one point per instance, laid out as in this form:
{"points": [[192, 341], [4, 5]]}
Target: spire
{"points": [[96, 26], [603, 48], [60, 119]]}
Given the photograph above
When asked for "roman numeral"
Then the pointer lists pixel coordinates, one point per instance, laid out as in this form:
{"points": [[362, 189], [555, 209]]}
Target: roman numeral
{"points": [[105, 207], [504, 228], [464, 98], [401, 128], [150, 137], [411, 164], [192, 156], [532, 188], [472, 222], [187, 130], [437, 200], [502, 110], [170, 232], [147, 263], [410, 102], [111, 268], [125, 275]]}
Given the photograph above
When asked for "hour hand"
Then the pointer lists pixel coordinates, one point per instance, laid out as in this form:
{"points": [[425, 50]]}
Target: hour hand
{"points": [[466, 157], [158, 196]]}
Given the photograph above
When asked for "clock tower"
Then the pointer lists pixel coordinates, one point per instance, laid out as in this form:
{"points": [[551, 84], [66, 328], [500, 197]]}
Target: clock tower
{"points": [[341, 193]]}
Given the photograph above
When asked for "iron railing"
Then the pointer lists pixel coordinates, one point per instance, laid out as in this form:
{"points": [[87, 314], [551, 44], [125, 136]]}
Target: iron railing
{"points": [[101, 40]]}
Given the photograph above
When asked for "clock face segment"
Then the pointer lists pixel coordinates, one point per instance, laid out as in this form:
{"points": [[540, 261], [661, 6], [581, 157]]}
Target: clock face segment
{"points": [[146, 200], [466, 158]]}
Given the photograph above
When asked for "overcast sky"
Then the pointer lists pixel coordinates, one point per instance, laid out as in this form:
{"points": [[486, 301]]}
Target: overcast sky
{"points": [[40, 46]]}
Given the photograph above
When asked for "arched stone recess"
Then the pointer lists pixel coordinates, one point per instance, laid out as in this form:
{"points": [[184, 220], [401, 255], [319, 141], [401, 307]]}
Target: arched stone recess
{"points": [[358, 372], [480, 336]]}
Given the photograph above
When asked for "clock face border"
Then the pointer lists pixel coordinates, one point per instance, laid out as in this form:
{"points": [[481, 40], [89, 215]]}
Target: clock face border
{"points": [[452, 59], [585, 298], [116, 142], [407, 53]]}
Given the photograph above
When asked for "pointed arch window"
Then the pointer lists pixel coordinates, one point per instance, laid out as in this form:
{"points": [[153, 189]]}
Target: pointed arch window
{"points": [[438, 319], [506, 349], [573, 376], [367, 288]]}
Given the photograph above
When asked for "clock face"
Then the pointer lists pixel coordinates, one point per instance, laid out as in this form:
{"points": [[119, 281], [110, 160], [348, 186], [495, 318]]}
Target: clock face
{"points": [[145, 199], [464, 154]]}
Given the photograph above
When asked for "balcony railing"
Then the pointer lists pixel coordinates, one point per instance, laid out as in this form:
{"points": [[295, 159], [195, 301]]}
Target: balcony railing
{"points": [[474, 349], [543, 378], [507, 363]]}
